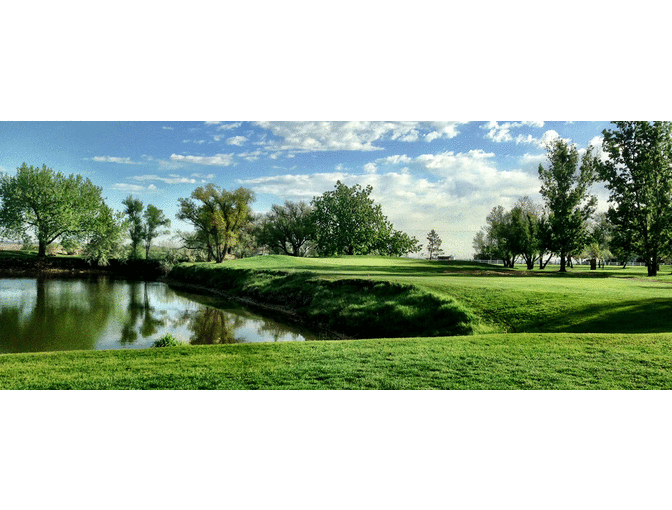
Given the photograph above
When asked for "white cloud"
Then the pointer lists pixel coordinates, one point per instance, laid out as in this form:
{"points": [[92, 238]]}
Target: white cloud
{"points": [[167, 127], [112, 159], [171, 179], [134, 188], [502, 132], [236, 140], [216, 160], [350, 136], [227, 127], [442, 129]]}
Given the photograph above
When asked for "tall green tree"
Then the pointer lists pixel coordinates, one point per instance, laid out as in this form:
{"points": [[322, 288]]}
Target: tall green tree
{"points": [[565, 188], [638, 173], [133, 212], [49, 205], [433, 244], [218, 217], [348, 222], [155, 220], [288, 229]]}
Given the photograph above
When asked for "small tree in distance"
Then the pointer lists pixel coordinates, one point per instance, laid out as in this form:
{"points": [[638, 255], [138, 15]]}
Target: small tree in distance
{"points": [[433, 245]]}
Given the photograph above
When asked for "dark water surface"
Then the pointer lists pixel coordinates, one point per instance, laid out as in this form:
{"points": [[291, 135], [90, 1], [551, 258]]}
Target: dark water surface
{"points": [[101, 313]]}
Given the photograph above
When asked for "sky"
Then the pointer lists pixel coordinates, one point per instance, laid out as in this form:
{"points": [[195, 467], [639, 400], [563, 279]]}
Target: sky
{"points": [[442, 175]]}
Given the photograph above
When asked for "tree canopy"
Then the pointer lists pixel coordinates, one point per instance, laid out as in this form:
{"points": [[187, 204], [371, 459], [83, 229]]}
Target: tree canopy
{"points": [[433, 244], [50, 206], [287, 229], [218, 218], [638, 173], [565, 188], [348, 222]]}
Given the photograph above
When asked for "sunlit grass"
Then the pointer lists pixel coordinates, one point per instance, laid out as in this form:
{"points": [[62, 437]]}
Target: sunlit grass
{"points": [[518, 361]]}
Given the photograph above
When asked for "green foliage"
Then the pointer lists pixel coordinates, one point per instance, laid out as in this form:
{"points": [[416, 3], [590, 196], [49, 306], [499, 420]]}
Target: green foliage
{"points": [[218, 219], [347, 222], [510, 234], [49, 205], [433, 244], [638, 173], [287, 229], [154, 220], [105, 240], [133, 211], [167, 340], [565, 187]]}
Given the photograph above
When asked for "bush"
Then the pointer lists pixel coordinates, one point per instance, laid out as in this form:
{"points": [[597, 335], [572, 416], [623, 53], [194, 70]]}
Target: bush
{"points": [[167, 341]]}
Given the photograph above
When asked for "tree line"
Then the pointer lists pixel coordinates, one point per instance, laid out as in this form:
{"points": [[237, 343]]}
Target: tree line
{"points": [[45, 205], [637, 171]]}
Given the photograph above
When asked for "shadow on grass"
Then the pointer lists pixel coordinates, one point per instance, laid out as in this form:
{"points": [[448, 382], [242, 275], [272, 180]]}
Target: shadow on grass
{"points": [[649, 316]]}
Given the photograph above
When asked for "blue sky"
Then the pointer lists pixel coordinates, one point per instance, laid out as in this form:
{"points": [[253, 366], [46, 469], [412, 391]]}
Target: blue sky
{"points": [[445, 175]]}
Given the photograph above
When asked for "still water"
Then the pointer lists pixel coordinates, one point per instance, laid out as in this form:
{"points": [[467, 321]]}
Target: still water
{"points": [[101, 313]]}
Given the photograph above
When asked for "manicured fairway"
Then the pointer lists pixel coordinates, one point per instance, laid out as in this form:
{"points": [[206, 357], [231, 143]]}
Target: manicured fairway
{"points": [[517, 361]]}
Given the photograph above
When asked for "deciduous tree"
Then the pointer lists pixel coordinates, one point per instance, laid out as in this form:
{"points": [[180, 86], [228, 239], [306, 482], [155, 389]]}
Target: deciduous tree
{"points": [[133, 212], [565, 188], [638, 173], [49, 205], [348, 222], [287, 229], [218, 218], [154, 221]]}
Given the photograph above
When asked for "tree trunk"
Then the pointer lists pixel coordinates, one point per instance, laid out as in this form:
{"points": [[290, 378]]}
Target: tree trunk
{"points": [[593, 264], [42, 249], [563, 262], [652, 268]]}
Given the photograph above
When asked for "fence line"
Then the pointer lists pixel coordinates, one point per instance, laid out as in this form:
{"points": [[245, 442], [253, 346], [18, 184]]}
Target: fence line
{"points": [[557, 261]]}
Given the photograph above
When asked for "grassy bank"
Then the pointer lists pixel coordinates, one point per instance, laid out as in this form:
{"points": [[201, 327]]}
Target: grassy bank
{"points": [[605, 329], [488, 299], [358, 307], [517, 361]]}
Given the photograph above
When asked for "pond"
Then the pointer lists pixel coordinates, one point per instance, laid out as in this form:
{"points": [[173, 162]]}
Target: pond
{"points": [[45, 314]]}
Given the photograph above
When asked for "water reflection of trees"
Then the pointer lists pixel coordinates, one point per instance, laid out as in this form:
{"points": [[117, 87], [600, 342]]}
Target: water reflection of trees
{"points": [[64, 315], [49, 314], [141, 317]]}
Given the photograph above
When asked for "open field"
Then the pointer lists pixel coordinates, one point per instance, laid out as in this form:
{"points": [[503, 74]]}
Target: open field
{"points": [[603, 329]]}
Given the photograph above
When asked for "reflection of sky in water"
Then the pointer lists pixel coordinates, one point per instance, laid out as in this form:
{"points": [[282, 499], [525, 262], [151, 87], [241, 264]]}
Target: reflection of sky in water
{"points": [[107, 314]]}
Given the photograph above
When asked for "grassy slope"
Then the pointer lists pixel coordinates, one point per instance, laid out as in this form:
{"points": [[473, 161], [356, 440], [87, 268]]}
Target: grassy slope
{"points": [[611, 300], [506, 300]]}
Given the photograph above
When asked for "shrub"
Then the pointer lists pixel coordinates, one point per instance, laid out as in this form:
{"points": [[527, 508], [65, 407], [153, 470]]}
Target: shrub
{"points": [[167, 340]]}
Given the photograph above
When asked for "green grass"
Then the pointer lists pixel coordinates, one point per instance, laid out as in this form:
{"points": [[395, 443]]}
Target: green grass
{"points": [[519, 361], [604, 329], [495, 299]]}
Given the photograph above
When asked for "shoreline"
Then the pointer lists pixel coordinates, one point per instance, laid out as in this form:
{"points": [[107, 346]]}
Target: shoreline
{"points": [[286, 313]]}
